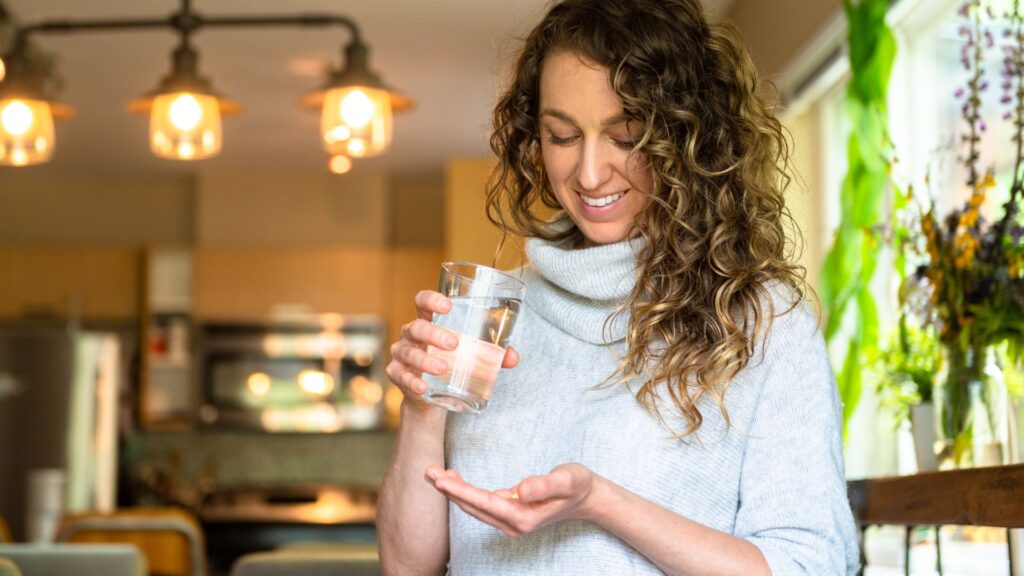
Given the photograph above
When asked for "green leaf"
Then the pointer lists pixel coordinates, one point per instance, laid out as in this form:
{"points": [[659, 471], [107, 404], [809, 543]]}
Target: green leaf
{"points": [[868, 322], [851, 262], [849, 381]]}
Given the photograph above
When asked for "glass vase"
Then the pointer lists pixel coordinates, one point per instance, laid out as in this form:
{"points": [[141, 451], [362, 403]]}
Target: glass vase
{"points": [[972, 409]]}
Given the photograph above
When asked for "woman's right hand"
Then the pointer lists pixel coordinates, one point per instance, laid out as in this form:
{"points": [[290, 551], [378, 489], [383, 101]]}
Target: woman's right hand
{"points": [[409, 358]]}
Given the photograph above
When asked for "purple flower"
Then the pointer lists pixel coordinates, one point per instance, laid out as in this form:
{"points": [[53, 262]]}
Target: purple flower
{"points": [[983, 86], [964, 10], [959, 93], [1007, 115]]}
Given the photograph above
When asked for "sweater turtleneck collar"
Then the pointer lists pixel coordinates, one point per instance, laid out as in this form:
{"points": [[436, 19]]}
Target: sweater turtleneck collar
{"points": [[578, 289]]}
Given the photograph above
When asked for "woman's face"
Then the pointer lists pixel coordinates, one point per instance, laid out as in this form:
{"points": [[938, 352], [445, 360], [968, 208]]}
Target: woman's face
{"points": [[585, 142]]}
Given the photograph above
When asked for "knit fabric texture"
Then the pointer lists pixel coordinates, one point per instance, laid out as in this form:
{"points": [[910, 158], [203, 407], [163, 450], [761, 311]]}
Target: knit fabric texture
{"points": [[774, 477]]}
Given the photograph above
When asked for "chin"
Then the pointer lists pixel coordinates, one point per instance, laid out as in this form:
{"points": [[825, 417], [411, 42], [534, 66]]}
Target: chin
{"points": [[596, 235]]}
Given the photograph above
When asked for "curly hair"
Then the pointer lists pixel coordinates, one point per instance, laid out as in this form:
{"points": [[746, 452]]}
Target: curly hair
{"points": [[715, 230]]}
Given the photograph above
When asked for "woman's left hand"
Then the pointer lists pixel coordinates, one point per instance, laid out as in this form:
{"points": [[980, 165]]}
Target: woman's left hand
{"points": [[562, 494]]}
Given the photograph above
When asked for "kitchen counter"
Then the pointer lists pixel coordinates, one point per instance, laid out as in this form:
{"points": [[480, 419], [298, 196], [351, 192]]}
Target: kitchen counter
{"points": [[241, 520]]}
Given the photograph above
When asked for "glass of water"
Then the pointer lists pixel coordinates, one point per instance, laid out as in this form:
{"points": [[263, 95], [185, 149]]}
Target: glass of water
{"points": [[485, 303]]}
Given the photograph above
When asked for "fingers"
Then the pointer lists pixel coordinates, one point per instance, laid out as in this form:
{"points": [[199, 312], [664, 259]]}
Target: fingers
{"points": [[422, 333], [409, 358], [417, 360], [408, 382], [481, 504], [429, 302], [432, 473], [511, 359], [557, 484]]}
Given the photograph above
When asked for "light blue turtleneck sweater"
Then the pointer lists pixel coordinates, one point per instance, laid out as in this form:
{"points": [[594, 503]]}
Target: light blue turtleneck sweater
{"points": [[775, 477]]}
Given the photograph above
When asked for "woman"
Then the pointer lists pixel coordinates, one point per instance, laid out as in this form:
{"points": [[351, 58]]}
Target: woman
{"points": [[671, 407]]}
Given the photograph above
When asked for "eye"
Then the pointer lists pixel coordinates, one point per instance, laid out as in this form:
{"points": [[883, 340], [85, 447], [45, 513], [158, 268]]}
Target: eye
{"points": [[626, 145], [561, 141]]}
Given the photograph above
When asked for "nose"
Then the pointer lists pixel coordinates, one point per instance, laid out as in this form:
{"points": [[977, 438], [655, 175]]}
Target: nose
{"points": [[594, 167]]}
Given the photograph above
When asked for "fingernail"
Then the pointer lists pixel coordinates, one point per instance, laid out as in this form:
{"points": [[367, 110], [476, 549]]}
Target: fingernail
{"points": [[432, 474], [450, 340], [524, 493], [440, 366]]}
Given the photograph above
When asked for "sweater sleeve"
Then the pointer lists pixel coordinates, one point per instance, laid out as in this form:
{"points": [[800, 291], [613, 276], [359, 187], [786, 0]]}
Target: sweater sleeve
{"points": [[793, 503]]}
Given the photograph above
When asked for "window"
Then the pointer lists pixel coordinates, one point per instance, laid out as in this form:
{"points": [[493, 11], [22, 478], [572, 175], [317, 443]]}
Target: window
{"points": [[925, 123]]}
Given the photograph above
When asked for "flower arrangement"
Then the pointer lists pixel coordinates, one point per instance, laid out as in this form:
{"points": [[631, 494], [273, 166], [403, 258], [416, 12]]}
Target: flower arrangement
{"points": [[905, 368], [968, 284]]}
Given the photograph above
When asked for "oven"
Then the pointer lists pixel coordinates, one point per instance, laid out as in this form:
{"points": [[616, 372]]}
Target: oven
{"points": [[324, 375]]}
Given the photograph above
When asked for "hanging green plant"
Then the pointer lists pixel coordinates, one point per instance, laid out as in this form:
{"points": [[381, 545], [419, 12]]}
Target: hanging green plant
{"points": [[850, 264]]}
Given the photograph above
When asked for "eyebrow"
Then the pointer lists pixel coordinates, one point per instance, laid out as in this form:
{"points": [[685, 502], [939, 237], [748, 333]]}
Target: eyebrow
{"points": [[616, 119]]}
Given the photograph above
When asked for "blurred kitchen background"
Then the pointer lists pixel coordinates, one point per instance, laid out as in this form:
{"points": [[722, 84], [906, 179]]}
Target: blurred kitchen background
{"points": [[211, 334]]}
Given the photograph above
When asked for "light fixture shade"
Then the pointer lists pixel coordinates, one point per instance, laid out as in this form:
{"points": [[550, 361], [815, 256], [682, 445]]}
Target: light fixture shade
{"points": [[185, 126], [26, 131], [356, 121]]}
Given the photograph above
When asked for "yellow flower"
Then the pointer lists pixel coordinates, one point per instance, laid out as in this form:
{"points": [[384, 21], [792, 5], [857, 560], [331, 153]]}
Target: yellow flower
{"points": [[989, 181], [965, 244]]}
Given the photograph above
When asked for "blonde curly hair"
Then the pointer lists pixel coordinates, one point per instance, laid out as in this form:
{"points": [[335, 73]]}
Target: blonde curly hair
{"points": [[715, 230]]}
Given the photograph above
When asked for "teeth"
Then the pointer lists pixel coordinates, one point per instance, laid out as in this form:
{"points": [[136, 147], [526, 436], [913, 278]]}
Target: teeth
{"points": [[598, 202]]}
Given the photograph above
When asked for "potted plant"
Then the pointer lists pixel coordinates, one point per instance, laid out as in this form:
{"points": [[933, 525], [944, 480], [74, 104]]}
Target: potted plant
{"points": [[905, 378]]}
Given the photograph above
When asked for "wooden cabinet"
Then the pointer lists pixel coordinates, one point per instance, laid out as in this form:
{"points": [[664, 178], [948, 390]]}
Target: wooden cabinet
{"points": [[95, 284], [253, 283]]}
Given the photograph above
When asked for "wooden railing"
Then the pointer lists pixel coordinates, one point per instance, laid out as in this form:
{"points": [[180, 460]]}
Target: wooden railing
{"points": [[972, 497]]}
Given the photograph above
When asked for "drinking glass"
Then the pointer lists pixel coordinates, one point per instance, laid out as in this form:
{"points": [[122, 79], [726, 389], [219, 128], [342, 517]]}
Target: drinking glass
{"points": [[485, 304]]}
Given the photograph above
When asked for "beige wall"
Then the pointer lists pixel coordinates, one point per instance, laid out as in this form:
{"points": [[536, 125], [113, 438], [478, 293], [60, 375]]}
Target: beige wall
{"points": [[805, 195], [40, 207], [775, 31], [290, 209]]}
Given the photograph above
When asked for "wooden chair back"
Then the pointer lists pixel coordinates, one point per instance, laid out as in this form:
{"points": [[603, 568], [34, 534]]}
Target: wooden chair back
{"points": [[171, 539]]}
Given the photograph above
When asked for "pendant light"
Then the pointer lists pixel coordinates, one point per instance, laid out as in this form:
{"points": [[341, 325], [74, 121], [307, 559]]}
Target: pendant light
{"points": [[26, 114], [184, 111], [356, 107]]}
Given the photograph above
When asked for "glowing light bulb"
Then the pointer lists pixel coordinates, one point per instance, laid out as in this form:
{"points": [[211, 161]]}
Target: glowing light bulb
{"points": [[16, 118], [338, 134], [258, 383], [357, 109], [316, 382], [19, 157], [339, 164], [357, 147], [209, 141], [186, 112], [186, 150], [185, 126]]}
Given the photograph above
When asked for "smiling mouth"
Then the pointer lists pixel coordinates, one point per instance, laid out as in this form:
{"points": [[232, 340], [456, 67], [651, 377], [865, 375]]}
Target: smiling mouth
{"points": [[603, 200]]}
